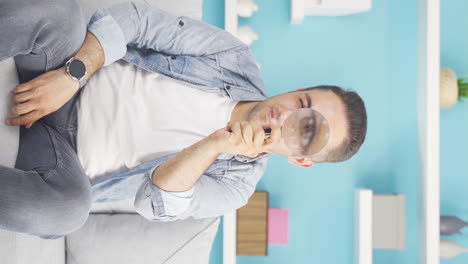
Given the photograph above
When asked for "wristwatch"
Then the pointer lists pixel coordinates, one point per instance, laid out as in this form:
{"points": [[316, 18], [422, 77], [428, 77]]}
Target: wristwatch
{"points": [[77, 70]]}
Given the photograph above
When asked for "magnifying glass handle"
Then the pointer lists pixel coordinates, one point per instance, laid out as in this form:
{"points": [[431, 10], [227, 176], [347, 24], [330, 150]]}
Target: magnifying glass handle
{"points": [[267, 132]]}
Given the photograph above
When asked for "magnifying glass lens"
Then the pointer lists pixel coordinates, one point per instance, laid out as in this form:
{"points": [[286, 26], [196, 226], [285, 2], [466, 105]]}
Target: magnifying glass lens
{"points": [[305, 132]]}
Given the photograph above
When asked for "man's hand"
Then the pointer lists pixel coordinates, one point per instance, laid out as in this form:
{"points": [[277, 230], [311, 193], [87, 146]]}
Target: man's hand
{"points": [[244, 138], [50, 91], [41, 96]]}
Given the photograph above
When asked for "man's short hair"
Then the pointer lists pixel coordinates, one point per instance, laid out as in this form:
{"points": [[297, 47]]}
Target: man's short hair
{"points": [[357, 124]]}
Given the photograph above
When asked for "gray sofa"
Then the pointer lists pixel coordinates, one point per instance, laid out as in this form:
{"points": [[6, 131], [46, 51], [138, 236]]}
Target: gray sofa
{"points": [[114, 233]]}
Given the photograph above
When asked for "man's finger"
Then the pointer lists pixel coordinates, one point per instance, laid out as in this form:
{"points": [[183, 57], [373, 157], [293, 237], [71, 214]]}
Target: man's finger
{"points": [[21, 109], [236, 129], [23, 120], [23, 97], [23, 87], [228, 125], [29, 125], [274, 137], [259, 136], [247, 133]]}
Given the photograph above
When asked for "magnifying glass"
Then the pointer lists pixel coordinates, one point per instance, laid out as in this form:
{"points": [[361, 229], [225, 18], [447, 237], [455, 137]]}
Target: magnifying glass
{"points": [[305, 132]]}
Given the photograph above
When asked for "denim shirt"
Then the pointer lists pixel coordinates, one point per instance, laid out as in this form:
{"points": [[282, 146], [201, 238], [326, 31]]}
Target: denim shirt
{"points": [[205, 58]]}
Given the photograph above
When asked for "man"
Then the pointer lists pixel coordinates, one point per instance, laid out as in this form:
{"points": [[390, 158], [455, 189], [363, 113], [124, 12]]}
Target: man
{"points": [[151, 127]]}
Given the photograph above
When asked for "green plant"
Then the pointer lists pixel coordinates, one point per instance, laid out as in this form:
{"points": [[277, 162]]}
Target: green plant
{"points": [[462, 89]]}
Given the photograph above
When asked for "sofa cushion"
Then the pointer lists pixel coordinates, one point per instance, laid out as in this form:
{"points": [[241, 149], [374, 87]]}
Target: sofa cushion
{"points": [[25, 249], [130, 238], [9, 135], [119, 207]]}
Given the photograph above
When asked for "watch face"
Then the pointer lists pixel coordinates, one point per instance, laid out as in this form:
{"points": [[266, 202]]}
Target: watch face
{"points": [[77, 69]]}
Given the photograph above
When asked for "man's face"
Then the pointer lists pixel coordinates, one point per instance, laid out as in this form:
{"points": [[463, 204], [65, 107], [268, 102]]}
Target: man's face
{"points": [[274, 110]]}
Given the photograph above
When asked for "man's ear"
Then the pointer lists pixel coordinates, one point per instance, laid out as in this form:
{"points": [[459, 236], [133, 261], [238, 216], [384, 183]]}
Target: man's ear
{"points": [[301, 161]]}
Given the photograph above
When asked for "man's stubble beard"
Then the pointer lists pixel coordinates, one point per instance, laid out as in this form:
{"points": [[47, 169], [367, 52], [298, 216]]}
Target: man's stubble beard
{"points": [[254, 111]]}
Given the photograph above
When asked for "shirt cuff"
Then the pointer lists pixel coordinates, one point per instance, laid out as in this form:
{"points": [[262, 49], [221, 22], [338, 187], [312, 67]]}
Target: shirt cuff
{"points": [[110, 36], [156, 204], [176, 203]]}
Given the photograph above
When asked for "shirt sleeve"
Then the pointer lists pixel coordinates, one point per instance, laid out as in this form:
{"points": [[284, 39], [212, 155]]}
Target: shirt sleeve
{"points": [[146, 27], [213, 195]]}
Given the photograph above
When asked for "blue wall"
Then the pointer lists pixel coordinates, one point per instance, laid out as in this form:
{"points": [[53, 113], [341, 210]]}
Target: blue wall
{"points": [[374, 53], [454, 121]]}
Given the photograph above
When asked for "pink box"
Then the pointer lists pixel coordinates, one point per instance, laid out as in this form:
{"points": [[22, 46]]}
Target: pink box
{"points": [[278, 226]]}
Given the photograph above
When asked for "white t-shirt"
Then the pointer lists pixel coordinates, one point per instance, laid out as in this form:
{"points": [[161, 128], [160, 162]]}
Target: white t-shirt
{"points": [[127, 116]]}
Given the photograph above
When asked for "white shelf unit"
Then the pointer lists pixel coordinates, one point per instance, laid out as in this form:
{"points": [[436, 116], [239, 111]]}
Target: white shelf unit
{"points": [[363, 234], [230, 238], [429, 145], [380, 223], [230, 16], [429, 128], [302, 8]]}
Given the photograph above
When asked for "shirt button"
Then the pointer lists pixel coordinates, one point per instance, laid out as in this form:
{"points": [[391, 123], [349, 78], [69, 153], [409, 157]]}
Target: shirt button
{"points": [[181, 23], [228, 87], [173, 57]]}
